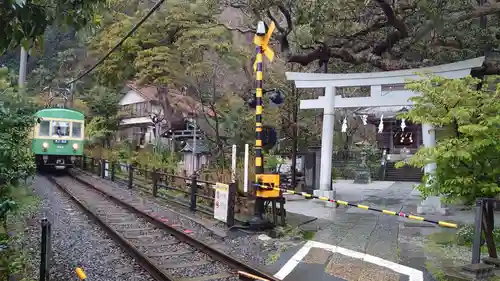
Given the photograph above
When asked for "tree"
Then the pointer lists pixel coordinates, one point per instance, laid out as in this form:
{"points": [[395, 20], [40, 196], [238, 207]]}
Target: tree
{"points": [[165, 47], [182, 46], [356, 35], [213, 80], [468, 158], [103, 105], [24, 21]]}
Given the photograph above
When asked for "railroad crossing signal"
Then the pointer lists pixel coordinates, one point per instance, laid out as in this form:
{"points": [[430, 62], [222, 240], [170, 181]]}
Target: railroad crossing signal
{"points": [[263, 43], [261, 40]]}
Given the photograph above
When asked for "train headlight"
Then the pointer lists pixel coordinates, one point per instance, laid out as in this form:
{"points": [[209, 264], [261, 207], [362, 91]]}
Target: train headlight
{"points": [[75, 146], [45, 145]]}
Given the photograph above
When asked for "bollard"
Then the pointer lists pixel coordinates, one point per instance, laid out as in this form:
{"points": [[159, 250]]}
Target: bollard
{"points": [[103, 168], [231, 202], [113, 170], [82, 164], [45, 250], [476, 244], [194, 191], [130, 175], [154, 177], [282, 211], [80, 273]]}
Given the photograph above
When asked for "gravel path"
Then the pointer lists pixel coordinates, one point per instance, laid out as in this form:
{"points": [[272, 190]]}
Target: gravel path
{"points": [[78, 242], [247, 248]]}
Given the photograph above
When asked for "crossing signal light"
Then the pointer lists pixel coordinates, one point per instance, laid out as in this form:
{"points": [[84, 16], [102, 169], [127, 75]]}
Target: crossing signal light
{"points": [[252, 102], [277, 97], [269, 137]]}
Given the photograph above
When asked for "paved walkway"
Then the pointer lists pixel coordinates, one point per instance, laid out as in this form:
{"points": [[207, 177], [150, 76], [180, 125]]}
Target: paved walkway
{"points": [[358, 244]]}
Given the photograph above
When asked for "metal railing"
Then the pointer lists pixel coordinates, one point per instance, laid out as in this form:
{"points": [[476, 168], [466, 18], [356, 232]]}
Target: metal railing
{"points": [[195, 193]]}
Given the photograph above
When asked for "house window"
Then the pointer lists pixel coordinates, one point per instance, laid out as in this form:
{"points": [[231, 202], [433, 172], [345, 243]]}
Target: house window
{"points": [[44, 129]]}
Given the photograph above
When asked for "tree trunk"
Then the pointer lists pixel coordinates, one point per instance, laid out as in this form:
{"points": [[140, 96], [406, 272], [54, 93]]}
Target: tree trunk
{"points": [[488, 225]]}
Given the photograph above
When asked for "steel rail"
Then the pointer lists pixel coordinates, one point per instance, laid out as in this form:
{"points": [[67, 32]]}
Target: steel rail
{"points": [[188, 239], [143, 261]]}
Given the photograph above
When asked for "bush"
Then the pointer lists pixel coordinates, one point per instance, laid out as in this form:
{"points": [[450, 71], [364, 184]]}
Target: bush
{"points": [[465, 236], [16, 162]]}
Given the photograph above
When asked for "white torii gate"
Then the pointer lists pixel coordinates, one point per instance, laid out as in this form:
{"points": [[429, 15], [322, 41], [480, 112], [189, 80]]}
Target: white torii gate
{"points": [[375, 80]]}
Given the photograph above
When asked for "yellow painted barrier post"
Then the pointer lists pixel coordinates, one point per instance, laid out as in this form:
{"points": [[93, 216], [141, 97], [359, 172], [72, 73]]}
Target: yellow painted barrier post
{"points": [[80, 273]]}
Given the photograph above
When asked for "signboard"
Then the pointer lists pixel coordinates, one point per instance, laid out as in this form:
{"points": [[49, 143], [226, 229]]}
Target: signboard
{"points": [[221, 201], [60, 141]]}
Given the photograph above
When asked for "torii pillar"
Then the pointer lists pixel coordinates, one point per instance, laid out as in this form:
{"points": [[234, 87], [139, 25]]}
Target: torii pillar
{"points": [[374, 80]]}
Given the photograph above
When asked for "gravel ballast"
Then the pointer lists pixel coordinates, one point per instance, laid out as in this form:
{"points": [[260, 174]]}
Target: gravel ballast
{"points": [[247, 248], [77, 241]]}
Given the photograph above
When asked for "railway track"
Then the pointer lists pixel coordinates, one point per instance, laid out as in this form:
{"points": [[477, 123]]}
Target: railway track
{"points": [[164, 251]]}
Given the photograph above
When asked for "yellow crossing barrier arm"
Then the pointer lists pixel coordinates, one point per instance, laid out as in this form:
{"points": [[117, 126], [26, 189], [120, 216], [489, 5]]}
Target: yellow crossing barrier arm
{"points": [[364, 207]]}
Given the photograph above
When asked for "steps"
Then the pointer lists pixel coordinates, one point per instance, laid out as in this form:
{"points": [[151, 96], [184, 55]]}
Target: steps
{"points": [[406, 173]]}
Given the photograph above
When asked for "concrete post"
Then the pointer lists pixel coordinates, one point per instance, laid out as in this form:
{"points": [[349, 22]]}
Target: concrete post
{"points": [[325, 181], [431, 204]]}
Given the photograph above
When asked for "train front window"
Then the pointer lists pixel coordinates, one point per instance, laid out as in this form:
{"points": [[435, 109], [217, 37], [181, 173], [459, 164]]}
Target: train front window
{"points": [[60, 128], [76, 130], [44, 129]]}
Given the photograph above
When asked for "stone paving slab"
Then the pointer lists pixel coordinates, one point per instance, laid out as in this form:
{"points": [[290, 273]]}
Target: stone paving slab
{"points": [[367, 232], [321, 264]]}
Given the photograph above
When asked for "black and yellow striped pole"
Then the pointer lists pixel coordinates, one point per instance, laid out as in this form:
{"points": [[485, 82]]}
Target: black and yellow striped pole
{"points": [[261, 41], [259, 161]]}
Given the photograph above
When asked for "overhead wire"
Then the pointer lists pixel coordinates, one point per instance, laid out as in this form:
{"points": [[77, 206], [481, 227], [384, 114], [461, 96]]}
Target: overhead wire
{"points": [[136, 26]]}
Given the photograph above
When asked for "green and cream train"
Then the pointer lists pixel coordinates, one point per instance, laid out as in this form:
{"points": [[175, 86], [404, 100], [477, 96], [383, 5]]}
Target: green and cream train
{"points": [[58, 138]]}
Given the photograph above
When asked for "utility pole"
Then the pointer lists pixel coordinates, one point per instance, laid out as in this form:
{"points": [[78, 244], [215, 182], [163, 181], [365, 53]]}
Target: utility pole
{"points": [[23, 61], [72, 95], [195, 160]]}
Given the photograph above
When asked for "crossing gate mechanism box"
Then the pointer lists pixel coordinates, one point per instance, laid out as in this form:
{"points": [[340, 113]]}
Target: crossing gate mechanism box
{"points": [[221, 202], [269, 180]]}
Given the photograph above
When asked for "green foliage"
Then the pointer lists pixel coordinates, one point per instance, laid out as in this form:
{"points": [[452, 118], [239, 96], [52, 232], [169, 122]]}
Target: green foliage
{"points": [[23, 21], [465, 235], [16, 121], [161, 159], [103, 105], [272, 161], [97, 129], [237, 120], [174, 39], [16, 163], [468, 162], [424, 32], [13, 257]]}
